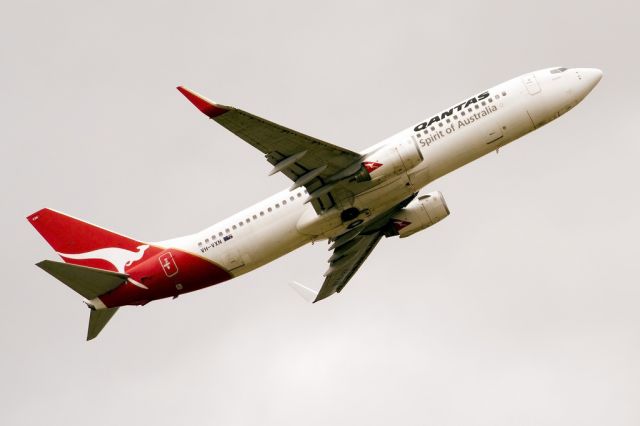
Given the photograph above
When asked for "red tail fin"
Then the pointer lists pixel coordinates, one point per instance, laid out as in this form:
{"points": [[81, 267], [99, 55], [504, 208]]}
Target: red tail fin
{"points": [[84, 244]]}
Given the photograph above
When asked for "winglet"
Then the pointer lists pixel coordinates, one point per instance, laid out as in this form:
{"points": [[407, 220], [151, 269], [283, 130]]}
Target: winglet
{"points": [[307, 293], [208, 108]]}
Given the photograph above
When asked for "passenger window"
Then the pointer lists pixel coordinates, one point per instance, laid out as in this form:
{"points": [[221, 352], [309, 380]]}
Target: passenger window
{"points": [[261, 213], [269, 209], [255, 217], [247, 220], [234, 227], [220, 234], [241, 223], [497, 97], [284, 202], [199, 243], [206, 240], [291, 198], [227, 230], [299, 195]]}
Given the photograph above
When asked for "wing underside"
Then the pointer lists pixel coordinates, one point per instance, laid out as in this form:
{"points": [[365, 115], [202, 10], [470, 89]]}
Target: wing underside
{"points": [[322, 168], [352, 248], [345, 262]]}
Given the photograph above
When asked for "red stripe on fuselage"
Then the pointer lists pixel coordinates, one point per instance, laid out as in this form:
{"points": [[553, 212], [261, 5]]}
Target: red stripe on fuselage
{"points": [[185, 273]]}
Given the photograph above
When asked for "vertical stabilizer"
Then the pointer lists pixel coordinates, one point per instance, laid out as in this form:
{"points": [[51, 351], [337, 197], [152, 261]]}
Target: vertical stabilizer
{"points": [[81, 243]]}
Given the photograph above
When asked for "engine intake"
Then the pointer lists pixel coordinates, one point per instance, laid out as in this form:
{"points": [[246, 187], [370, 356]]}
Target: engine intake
{"points": [[419, 214]]}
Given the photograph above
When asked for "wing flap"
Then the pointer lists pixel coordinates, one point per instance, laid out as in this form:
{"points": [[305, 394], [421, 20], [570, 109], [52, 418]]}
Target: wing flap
{"points": [[347, 261]]}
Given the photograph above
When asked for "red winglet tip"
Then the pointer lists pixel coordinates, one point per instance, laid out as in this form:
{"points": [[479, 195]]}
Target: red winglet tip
{"points": [[207, 107]]}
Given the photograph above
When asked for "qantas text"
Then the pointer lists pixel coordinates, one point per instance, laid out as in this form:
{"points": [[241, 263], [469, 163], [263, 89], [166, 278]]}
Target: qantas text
{"points": [[450, 111]]}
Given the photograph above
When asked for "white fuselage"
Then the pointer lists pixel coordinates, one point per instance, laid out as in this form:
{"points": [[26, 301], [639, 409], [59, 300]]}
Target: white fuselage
{"points": [[465, 132]]}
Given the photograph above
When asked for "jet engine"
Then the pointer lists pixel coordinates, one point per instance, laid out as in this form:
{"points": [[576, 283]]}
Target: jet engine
{"points": [[390, 161], [419, 214]]}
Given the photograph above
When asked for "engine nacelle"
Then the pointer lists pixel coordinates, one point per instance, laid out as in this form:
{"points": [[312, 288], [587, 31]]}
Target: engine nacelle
{"points": [[419, 214], [392, 160]]}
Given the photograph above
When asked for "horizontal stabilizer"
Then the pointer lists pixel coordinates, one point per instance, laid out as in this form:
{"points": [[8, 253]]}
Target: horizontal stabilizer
{"points": [[88, 282], [98, 320]]}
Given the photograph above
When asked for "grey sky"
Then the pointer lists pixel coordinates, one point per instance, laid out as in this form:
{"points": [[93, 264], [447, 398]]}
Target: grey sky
{"points": [[521, 308]]}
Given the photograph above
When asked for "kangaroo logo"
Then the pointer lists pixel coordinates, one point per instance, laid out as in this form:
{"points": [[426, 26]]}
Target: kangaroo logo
{"points": [[119, 258]]}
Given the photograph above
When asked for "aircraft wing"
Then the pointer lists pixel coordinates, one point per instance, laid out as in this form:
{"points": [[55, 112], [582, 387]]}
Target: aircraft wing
{"points": [[345, 262], [317, 165], [351, 249]]}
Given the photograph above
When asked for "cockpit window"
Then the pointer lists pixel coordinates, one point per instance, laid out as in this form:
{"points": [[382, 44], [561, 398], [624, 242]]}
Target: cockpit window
{"points": [[558, 70]]}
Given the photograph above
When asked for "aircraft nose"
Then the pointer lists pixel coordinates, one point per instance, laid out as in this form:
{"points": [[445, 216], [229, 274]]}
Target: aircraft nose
{"points": [[593, 76], [587, 79]]}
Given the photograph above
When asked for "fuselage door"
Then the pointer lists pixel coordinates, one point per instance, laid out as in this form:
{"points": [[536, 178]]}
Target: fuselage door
{"points": [[531, 83], [168, 264]]}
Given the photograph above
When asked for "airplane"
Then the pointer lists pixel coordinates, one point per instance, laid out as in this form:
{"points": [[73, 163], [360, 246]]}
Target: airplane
{"points": [[350, 199]]}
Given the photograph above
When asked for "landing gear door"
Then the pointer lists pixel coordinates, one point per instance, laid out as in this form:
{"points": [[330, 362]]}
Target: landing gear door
{"points": [[531, 83]]}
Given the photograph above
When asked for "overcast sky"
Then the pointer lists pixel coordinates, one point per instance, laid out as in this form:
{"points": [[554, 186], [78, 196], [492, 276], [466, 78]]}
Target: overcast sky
{"points": [[521, 308]]}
